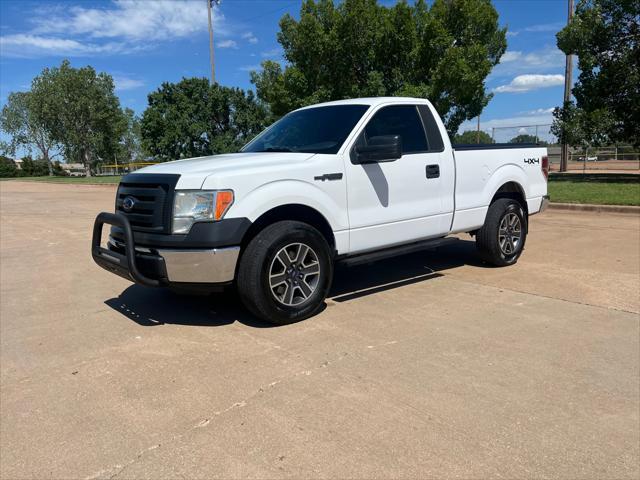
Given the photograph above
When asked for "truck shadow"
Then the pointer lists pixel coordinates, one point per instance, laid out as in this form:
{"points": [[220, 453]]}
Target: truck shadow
{"points": [[152, 307]]}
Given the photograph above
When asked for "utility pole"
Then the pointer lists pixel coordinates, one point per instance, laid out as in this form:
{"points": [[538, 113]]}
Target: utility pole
{"points": [[478, 131], [210, 4], [568, 72]]}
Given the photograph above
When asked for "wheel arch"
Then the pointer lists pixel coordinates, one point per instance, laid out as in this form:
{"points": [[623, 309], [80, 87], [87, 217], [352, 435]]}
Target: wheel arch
{"points": [[512, 189], [296, 212]]}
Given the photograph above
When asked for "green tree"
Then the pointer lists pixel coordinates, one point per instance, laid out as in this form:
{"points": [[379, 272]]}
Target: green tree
{"points": [[471, 136], [192, 118], [7, 167], [605, 35], [443, 52], [58, 171], [80, 111], [34, 168], [526, 138], [25, 128], [131, 142], [578, 127]]}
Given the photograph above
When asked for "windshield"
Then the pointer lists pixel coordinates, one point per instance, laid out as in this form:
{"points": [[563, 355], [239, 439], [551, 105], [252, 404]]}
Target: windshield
{"points": [[312, 130]]}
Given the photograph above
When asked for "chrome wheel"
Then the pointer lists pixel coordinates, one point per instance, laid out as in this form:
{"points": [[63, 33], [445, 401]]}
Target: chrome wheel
{"points": [[294, 274], [510, 233]]}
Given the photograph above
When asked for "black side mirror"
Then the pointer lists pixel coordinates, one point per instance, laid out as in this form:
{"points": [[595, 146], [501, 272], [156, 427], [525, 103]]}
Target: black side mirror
{"points": [[384, 148]]}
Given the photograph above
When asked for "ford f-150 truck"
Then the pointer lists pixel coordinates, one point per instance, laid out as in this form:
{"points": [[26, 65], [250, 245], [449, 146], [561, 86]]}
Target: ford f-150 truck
{"points": [[359, 178]]}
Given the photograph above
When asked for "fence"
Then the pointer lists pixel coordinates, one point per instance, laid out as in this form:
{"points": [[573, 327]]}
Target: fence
{"points": [[612, 159], [121, 168], [535, 133]]}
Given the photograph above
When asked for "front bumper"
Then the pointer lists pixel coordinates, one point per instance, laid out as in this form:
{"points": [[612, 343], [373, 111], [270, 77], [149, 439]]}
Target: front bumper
{"points": [[160, 267]]}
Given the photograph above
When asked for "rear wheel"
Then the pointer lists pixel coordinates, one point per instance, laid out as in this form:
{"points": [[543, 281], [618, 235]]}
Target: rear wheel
{"points": [[285, 273], [501, 239]]}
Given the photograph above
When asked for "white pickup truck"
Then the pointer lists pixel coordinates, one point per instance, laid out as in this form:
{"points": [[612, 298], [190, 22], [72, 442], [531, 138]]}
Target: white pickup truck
{"points": [[343, 180]]}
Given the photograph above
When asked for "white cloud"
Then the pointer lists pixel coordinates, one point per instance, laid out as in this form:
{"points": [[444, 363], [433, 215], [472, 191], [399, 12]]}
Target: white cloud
{"points": [[510, 56], [133, 20], [122, 26], [250, 37], [539, 28], [526, 83], [227, 44], [515, 62], [249, 68], [274, 52], [545, 27], [26, 45], [539, 111], [126, 83]]}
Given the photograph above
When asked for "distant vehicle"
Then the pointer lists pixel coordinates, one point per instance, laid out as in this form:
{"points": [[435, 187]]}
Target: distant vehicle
{"points": [[350, 181], [75, 173], [588, 159]]}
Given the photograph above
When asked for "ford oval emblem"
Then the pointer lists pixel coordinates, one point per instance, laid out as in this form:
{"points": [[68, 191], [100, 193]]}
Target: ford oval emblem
{"points": [[128, 203]]}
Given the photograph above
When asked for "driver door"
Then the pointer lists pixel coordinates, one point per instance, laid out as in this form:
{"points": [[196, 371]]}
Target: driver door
{"points": [[394, 202]]}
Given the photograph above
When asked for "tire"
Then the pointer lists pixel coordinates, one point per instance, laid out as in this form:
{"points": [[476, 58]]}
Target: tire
{"points": [[496, 240], [279, 293]]}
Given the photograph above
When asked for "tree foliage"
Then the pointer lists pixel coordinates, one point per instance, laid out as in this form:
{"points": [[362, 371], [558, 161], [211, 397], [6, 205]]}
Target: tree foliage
{"points": [[442, 52], [25, 128], [80, 111], [605, 35], [7, 167], [192, 118], [33, 168], [471, 136], [130, 146], [578, 127]]}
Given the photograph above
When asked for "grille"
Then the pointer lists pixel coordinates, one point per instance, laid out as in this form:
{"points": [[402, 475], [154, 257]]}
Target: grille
{"points": [[153, 201]]}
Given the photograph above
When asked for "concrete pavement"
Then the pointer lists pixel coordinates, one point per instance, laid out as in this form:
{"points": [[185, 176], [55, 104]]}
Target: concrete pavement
{"points": [[425, 366]]}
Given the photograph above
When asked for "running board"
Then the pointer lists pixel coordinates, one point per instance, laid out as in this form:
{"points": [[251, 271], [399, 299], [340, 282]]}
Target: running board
{"points": [[404, 249]]}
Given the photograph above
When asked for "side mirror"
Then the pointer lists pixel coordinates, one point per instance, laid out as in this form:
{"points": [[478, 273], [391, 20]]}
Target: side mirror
{"points": [[384, 148]]}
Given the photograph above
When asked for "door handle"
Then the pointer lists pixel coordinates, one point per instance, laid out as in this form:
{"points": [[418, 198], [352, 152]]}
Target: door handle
{"points": [[433, 171]]}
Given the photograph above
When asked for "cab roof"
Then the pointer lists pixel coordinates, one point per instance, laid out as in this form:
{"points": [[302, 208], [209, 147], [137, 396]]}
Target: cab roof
{"points": [[371, 101]]}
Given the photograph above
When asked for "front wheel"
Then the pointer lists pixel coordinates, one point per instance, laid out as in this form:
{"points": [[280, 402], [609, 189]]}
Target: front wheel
{"points": [[501, 239], [285, 273]]}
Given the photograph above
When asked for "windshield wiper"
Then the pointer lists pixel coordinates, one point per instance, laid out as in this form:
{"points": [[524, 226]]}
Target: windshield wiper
{"points": [[277, 149]]}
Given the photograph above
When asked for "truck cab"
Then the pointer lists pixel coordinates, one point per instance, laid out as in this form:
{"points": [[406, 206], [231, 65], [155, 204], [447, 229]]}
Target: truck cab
{"points": [[330, 182]]}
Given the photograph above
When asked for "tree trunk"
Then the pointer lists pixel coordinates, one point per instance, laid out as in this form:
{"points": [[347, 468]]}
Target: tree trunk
{"points": [[87, 164], [49, 165]]}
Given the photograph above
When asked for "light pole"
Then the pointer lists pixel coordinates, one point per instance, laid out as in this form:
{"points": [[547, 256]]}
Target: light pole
{"points": [[568, 71], [210, 4]]}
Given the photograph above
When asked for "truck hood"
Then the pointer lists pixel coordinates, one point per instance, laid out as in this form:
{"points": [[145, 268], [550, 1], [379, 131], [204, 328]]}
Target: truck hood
{"points": [[194, 171]]}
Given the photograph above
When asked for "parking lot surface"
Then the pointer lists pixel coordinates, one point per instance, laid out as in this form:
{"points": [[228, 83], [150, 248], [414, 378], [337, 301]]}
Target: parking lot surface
{"points": [[429, 365]]}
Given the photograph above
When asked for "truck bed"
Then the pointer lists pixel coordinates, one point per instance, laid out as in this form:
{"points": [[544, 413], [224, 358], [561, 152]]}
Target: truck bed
{"points": [[482, 169]]}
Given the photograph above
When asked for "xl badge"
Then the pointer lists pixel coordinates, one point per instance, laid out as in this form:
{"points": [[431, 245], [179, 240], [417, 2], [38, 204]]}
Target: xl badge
{"points": [[128, 204]]}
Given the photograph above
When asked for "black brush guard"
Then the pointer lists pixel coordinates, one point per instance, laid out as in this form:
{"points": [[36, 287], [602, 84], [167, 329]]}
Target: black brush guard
{"points": [[122, 265]]}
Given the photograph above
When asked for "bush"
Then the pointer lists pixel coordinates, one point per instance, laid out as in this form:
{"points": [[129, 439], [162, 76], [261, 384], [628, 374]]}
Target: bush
{"points": [[58, 171], [34, 168], [8, 167]]}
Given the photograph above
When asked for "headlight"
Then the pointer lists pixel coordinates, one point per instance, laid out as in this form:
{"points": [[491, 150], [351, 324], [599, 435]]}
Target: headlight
{"points": [[191, 206]]}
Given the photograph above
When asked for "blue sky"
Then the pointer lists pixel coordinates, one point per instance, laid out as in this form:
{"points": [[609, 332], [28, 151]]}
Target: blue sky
{"points": [[142, 43]]}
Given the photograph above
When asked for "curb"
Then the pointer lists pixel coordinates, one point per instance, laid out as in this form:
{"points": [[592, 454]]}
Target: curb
{"points": [[587, 207]]}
